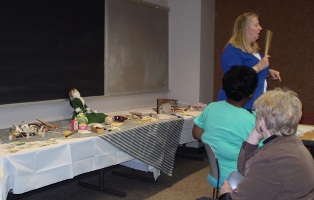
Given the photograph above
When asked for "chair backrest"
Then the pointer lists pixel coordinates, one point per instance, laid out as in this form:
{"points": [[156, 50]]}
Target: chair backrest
{"points": [[213, 162], [213, 167]]}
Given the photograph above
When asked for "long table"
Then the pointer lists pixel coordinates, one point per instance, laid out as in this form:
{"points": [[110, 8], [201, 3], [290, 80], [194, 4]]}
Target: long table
{"points": [[306, 133], [307, 136], [35, 164], [44, 161], [39, 165]]}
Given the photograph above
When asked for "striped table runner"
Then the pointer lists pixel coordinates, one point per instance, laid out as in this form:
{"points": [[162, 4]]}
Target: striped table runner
{"points": [[152, 143]]}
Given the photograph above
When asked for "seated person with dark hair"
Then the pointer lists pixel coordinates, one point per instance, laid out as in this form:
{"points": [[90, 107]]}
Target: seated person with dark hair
{"points": [[226, 124], [282, 168]]}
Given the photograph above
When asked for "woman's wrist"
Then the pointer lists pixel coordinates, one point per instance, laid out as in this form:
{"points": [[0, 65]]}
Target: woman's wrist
{"points": [[254, 137], [257, 68]]}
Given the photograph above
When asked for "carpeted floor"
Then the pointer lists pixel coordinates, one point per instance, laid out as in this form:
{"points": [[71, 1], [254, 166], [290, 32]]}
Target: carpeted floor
{"points": [[187, 182]]}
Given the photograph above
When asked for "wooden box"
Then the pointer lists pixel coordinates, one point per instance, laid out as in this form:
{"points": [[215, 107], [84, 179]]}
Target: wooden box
{"points": [[98, 129], [166, 106]]}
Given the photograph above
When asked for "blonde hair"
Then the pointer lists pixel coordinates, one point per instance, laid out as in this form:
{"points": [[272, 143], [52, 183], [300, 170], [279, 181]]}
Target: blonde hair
{"points": [[238, 38], [281, 110]]}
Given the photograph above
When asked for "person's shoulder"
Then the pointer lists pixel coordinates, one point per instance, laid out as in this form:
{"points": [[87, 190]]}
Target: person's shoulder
{"points": [[231, 47], [218, 103], [246, 115], [231, 50], [214, 105], [210, 105]]}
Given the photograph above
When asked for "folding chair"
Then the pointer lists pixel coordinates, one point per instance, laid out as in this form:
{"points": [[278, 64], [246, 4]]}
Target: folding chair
{"points": [[214, 167]]}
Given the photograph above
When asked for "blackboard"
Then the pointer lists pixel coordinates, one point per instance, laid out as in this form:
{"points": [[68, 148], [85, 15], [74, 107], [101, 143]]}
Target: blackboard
{"points": [[136, 48], [49, 46]]}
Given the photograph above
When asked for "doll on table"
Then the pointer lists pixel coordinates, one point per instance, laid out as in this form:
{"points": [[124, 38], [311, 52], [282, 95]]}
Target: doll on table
{"points": [[79, 106]]}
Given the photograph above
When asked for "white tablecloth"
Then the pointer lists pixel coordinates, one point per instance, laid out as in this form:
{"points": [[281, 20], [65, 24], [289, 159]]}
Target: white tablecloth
{"points": [[186, 134], [36, 167]]}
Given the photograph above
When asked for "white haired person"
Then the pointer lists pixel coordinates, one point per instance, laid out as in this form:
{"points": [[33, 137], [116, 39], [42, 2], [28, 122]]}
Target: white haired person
{"points": [[283, 167]]}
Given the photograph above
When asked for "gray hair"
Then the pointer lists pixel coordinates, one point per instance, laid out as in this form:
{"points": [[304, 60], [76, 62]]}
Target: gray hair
{"points": [[281, 110]]}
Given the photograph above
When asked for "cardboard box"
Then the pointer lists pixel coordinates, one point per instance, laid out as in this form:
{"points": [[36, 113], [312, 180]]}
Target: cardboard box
{"points": [[98, 129], [82, 127]]}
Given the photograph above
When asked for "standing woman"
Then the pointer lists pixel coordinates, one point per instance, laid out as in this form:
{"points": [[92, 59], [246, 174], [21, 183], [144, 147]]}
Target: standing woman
{"points": [[242, 50]]}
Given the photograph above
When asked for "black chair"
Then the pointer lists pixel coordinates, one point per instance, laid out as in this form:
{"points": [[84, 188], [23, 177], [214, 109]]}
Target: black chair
{"points": [[214, 167]]}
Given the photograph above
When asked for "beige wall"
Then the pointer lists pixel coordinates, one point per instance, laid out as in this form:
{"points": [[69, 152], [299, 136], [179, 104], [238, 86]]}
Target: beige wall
{"points": [[191, 50]]}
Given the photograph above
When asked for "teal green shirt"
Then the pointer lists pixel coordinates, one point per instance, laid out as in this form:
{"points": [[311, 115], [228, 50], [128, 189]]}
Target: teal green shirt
{"points": [[225, 128]]}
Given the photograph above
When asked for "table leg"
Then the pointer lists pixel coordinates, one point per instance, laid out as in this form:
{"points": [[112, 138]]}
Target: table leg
{"points": [[101, 186], [133, 175], [184, 154]]}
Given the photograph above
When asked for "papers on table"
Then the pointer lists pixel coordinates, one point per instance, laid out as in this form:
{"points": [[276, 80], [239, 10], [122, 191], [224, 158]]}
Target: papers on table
{"points": [[162, 116], [192, 113], [303, 129]]}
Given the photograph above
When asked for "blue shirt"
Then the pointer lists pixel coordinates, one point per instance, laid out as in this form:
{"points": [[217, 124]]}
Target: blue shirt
{"points": [[234, 56], [225, 127]]}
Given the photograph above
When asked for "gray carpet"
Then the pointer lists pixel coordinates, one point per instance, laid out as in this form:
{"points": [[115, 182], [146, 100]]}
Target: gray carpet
{"points": [[187, 182]]}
